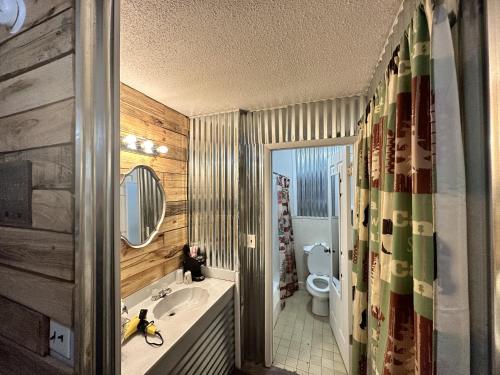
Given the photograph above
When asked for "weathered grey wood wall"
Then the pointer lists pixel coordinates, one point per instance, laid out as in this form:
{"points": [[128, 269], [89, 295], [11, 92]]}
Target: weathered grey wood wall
{"points": [[37, 118]]}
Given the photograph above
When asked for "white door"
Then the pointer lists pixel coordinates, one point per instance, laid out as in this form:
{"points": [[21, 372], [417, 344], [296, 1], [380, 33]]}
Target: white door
{"points": [[340, 281]]}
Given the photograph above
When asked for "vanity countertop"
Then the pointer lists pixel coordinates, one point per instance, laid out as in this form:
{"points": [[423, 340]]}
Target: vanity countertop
{"points": [[137, 356]]}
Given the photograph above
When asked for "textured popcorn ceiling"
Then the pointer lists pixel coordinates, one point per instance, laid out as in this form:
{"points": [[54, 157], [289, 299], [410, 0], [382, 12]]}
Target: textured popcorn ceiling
{"points": [[205, 56]]}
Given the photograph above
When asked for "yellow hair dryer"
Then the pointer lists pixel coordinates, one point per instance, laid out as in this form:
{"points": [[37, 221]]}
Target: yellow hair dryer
{"points": [[139, 323]]}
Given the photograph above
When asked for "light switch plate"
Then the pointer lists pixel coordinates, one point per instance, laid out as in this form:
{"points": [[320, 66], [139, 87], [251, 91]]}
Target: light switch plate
{"points": [[251, 241], [60, 339]]}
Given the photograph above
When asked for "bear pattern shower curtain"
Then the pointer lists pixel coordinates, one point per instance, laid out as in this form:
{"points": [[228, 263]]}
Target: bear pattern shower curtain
{"points": [[394, 254], [288, 270]]}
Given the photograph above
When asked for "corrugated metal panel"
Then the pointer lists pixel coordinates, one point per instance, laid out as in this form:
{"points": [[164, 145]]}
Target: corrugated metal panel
{"points": [[311, 169], [251, 259], [213, 187], [213, 352], [312, 181], [305, 121]]}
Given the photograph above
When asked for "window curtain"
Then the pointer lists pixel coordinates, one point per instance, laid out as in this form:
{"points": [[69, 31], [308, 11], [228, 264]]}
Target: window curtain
{"points": [[312, 181], [288, 269], [394, 254]]}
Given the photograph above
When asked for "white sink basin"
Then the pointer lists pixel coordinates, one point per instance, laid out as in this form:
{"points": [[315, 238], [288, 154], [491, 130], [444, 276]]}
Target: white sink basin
{"points": [[180, 301]]}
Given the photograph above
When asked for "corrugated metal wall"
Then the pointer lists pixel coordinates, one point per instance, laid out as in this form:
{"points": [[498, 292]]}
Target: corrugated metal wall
{"points": [[307, 121], [312, 181], [252, 276], [213, 187], [226, 206]]}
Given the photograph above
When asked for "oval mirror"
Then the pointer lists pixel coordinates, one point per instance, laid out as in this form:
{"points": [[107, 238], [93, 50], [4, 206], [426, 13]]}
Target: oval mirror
{"points": [[142, 206]]}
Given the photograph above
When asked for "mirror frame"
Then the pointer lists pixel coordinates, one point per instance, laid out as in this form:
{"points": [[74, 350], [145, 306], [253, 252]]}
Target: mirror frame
{"points": [[162, 217]]}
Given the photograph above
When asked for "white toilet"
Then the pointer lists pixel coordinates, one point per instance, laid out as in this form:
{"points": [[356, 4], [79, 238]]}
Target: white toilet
{"points": [[318, 282]]}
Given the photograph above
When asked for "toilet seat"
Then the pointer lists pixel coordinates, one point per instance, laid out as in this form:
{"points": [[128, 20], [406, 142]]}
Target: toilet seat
{"points": [[318, 285]]}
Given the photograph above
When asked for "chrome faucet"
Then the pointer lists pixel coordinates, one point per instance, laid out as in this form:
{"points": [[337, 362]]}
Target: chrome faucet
{"points": [[161, 294]]}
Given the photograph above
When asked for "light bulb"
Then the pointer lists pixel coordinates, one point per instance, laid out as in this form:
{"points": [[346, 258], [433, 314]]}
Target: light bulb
{"points": [[162, 149], [130, 141], [147, 147]]}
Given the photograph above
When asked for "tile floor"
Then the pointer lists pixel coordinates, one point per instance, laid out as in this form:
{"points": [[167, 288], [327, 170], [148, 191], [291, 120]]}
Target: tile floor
{"points": [[302, 342]]}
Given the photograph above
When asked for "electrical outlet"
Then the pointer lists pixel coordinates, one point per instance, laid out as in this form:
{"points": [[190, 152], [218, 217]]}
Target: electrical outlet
{"points": [[251, 241], [60, 339]]}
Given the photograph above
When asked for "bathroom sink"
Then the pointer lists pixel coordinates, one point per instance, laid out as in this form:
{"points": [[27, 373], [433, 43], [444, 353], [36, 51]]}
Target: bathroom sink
{"points": [[180, 301]]}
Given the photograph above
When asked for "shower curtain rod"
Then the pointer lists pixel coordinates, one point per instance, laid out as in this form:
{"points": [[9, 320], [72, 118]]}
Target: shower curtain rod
{"points": [[401, 22], [279, 174]]}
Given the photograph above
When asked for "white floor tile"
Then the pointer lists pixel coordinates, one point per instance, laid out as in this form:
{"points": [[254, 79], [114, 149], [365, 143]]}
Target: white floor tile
{"points": [[301, 365], [315, 360], [314, 370], [282, 350], [293, 353], [292, 362], [328, 363], [328, 355], [281, 358], [304, 343], [294, 345]]}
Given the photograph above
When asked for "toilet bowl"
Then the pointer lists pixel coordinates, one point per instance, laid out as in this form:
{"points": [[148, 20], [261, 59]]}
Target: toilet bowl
{"points": [[318, 282]]}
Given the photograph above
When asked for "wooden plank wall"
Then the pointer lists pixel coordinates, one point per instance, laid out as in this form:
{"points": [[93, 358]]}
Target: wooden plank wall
{"points": [[37, 272], [142, 116]]}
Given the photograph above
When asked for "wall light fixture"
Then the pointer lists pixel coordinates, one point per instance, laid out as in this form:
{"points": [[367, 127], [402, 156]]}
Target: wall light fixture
{"points": [[139, 144], [162, 149], [130, 141], [147, 146]]}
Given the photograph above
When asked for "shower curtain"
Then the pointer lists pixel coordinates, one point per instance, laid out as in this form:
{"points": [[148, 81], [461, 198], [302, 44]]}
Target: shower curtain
{"points": [[288, 270], [394, 254]]}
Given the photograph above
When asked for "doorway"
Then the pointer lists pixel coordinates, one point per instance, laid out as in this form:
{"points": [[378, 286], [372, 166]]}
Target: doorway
{"points": [[296, 338]]}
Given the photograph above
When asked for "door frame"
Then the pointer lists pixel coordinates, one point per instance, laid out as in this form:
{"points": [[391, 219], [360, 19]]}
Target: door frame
{"points": [[268, 266], [493, 96]]}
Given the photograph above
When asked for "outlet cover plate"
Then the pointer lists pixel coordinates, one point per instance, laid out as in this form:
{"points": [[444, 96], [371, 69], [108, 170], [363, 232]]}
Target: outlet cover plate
{"points": [[60, 339], [251, 241]]}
